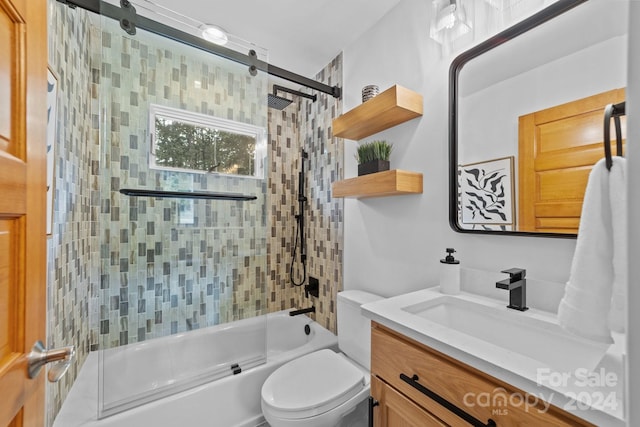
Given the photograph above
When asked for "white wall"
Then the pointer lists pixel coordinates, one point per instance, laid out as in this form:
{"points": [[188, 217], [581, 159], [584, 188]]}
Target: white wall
{"points": [[393, 245], [633, 138]]}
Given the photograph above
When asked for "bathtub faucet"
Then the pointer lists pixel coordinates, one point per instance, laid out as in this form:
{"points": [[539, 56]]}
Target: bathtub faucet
{"points": [[311, 309]]}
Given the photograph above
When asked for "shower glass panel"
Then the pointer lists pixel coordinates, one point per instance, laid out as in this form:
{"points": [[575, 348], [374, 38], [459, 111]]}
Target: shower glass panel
{"points": [[174, 272]]}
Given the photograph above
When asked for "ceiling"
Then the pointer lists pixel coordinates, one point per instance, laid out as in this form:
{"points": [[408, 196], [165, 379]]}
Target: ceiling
{"points": [[301, 36]]}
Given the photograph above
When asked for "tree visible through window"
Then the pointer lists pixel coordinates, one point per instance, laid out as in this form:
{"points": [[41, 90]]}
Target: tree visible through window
{"points": [[198, 144]]}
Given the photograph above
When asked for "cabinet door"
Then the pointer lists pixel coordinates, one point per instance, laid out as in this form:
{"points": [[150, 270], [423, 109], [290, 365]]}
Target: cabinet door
{"points": [[395, 410]]}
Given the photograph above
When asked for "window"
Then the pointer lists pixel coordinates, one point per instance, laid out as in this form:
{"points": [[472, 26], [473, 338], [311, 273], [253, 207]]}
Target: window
{"points": [[193, 142]]}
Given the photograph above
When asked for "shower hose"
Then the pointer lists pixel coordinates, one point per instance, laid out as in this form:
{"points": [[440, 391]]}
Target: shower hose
{"points": [[303, 256]]}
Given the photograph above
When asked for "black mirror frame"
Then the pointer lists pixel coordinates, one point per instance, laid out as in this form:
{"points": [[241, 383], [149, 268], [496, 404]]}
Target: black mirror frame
{"points": [[550, 12]]}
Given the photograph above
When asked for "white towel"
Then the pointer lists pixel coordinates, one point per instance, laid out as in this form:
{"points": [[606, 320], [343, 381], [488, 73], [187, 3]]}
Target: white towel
{"points": [[618, 198], [587, 303]]}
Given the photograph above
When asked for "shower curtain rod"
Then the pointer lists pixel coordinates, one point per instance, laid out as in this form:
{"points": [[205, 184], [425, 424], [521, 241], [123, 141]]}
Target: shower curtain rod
{"points": [[129, 21]]}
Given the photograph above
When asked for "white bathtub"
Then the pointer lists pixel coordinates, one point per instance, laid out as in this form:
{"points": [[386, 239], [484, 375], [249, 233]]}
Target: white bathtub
{"points": [[152, 374]]}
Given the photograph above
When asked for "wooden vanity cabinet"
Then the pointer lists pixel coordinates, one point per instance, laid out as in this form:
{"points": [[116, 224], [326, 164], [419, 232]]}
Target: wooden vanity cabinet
{"points": [[396, 410], [418, 386]]}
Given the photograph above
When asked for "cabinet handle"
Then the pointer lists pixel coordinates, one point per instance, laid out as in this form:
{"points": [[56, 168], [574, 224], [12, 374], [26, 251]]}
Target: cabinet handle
{"points": [[372, 404], [413, 382]]}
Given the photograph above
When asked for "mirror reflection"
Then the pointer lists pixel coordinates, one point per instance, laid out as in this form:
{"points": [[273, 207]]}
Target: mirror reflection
{"points": [[528, 120]]}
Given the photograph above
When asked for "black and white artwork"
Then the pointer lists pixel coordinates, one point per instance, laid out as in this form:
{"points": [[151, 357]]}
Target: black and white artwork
{"points": [[486, 194]]}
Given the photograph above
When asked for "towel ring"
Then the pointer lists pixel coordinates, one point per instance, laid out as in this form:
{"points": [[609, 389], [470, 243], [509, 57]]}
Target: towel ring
{"points": [[615, 111]]}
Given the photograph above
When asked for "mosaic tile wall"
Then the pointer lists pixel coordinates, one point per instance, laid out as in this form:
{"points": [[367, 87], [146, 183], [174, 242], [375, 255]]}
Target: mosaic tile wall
{"points": [[157, 275], [72, 248], [307, 125]]}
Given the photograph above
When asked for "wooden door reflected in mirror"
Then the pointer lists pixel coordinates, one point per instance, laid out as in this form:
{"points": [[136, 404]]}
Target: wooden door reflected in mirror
{"points": [[558, 147]]}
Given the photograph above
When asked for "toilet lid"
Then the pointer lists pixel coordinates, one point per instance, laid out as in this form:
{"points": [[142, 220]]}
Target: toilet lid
{"points": [[311, 385]]}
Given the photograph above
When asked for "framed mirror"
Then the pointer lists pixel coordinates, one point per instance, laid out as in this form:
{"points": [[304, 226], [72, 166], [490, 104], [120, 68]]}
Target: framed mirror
{"points": [[526, 114]]}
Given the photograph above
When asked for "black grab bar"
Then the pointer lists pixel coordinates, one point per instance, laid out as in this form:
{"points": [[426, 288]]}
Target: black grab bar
{"points": [[413, 382], [141, 192]]}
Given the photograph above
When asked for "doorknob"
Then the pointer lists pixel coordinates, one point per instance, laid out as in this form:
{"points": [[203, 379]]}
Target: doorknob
{"points": [[40, 356]]}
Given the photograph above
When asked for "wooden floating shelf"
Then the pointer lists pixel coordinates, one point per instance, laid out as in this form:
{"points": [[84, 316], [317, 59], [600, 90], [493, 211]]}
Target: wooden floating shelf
{"points": [[380, 184], [390, 108]]}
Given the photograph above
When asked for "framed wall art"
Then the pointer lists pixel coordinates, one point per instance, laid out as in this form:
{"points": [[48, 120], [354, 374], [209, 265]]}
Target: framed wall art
{"points": [[487, 194]]}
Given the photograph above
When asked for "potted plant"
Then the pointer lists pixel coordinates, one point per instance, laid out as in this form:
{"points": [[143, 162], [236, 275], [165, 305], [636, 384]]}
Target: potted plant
{"points": [[373, 157]]}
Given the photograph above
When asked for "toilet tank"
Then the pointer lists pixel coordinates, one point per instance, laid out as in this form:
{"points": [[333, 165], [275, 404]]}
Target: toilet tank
{"points": [[354, 330]]}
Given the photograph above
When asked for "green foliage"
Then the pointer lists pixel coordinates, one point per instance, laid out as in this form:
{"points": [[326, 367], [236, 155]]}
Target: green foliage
{"points": [[187, 146], [374, 150]]}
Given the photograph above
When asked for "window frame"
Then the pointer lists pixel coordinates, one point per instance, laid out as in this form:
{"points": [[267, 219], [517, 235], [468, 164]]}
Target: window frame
{"points": [[211, 122]]}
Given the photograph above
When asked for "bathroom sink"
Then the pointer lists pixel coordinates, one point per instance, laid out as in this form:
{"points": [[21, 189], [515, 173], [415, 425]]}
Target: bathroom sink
{"points": [[528, 350], [535, 336]]}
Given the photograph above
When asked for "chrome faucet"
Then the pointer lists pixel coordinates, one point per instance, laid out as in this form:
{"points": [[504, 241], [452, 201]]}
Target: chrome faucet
{"points": [[516, 284]]}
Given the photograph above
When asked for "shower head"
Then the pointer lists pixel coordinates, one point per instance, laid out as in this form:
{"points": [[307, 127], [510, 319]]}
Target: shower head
{"points": [[278, 102], [275, 101]]}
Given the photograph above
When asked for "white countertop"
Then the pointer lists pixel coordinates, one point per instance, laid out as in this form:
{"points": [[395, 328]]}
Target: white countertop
{"points": [[596, 397]]}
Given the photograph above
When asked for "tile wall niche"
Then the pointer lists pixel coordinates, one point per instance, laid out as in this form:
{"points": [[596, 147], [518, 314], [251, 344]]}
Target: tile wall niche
{"points": [[72, 249], [306, 124]]}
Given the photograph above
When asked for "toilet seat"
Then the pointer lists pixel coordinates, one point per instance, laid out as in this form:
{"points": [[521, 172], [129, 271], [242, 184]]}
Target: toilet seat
{"points": [[312, 385]]}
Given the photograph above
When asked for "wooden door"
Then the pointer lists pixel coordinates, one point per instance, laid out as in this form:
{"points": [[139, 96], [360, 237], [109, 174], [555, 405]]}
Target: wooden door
{"points": [[23, 85], [558, 147]]}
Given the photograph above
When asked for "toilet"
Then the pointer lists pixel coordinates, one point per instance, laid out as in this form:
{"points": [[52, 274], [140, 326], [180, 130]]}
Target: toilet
{"points": [[322, 388]]}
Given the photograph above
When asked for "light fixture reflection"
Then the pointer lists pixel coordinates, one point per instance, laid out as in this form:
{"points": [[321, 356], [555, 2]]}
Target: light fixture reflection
{"points": [[449, 20], [214, 34]]}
